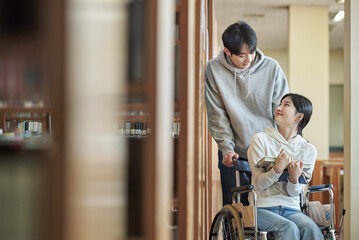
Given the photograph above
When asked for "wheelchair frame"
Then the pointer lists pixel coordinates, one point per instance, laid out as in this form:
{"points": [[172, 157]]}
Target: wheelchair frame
{"points": [[233, 219]]}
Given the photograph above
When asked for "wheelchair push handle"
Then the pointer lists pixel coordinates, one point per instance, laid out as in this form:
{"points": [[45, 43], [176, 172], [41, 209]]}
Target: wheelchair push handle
{"points": [[341, 222], [236, 171], [235, 165]]}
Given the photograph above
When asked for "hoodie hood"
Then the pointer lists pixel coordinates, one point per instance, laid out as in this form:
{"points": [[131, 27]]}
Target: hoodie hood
{"points": [[293, 147], [274, 133], [243, 75]]}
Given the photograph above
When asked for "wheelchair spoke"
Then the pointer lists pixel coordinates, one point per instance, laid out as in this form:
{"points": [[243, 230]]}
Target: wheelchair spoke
{"points": [[222, 228]]}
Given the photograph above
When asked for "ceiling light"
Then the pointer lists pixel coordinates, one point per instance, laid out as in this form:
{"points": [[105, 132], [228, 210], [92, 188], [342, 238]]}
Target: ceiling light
{"points": [[340, 1], [339, 16]]}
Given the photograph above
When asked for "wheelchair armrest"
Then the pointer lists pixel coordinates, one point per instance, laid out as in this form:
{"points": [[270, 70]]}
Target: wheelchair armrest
{"points": [[319, 188], [242, 189]]}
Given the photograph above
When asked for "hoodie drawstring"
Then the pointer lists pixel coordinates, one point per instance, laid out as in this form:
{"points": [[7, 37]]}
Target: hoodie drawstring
{"points": [[235, 82], [248, 84]]}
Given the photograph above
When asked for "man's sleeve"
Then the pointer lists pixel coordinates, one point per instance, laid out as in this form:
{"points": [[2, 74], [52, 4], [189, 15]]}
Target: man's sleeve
{"points": [[219, 123]]}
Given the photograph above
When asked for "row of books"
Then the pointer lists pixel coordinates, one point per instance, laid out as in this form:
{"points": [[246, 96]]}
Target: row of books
{"points": [[21, 103], [176, 129], [133, 129], [268, 162], [142, 129], [139, 112], [24, 128]]}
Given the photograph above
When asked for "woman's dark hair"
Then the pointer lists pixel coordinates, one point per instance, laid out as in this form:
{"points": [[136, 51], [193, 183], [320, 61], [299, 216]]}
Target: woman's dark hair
{"points": [[302, 105], [236, 35]]}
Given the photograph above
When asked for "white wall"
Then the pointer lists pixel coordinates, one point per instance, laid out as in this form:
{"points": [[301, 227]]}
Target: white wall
{"points": [[336, 63], [336, 66], [336, 81], [336, 98]]}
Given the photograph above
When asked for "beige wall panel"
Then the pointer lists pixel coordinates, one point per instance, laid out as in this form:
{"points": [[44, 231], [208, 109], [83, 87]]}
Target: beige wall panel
{"points": [[281, 56], [309, 68]]}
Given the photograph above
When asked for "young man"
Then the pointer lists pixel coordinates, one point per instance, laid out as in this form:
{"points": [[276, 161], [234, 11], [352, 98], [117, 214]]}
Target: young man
{"points": [[242, 89]]}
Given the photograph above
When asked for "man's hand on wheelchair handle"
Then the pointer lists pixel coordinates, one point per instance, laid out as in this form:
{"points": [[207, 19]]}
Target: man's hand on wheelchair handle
{"points": [[227, 160]]}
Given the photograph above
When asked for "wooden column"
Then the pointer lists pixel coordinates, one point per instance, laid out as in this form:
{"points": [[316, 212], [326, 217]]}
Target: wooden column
{"points": [[351, 118]]}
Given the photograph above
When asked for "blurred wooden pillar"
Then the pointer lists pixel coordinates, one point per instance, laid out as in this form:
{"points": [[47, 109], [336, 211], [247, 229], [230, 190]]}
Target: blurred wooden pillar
{"points": [[351, 118]]}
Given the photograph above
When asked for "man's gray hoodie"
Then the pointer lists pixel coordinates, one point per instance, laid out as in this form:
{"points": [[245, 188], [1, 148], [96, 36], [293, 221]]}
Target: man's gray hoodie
{"points": [[241, 102]]}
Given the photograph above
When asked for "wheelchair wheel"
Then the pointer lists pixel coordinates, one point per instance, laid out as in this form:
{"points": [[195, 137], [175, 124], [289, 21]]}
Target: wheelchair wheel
{"points": [[227, 225], [330, 234]]}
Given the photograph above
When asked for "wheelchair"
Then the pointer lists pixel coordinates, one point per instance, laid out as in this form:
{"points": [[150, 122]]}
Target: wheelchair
{"points": [[237, 222]]}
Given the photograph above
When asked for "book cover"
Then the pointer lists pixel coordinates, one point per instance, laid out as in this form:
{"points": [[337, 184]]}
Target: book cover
{"points": [[268, 163], [302, 178]]}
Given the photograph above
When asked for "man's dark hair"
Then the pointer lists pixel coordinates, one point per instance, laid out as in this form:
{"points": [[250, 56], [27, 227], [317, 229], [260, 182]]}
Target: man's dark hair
{"points": [[236, 35], [303, 105]]}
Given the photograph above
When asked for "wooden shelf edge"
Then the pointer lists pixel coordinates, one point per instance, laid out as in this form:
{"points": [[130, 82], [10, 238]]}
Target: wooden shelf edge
{"points": [[26, 109]]}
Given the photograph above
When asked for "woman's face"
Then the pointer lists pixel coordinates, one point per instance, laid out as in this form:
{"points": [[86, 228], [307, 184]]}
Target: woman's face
{"points": [[286, 113], [244, 59]]}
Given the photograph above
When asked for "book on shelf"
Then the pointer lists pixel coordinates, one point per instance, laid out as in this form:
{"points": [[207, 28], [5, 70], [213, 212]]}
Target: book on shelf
{"points": [[268, 162]]}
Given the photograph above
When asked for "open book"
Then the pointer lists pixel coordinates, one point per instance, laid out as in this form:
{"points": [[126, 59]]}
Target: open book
{"points": [[268, 163]]}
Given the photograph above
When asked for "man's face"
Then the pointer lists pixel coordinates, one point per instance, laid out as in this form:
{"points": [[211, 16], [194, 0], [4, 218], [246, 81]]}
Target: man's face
{"points": [[244, 59]]}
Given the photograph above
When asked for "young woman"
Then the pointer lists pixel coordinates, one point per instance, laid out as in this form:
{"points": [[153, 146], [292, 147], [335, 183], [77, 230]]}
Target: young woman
{"points": [[279, 201]]}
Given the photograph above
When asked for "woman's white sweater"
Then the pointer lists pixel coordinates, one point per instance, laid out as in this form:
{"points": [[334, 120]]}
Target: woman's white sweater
{"points": [[269, 191]]}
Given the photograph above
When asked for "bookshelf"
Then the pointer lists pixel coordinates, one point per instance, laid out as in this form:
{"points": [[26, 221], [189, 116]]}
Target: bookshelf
{"points": [[179, 205], [31, 95], [139, 110], [135, 117], [194, 154], [26, 120]]}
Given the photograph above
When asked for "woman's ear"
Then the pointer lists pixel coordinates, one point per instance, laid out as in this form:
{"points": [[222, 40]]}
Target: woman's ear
{"points": [[300, 116], [227, 51]]}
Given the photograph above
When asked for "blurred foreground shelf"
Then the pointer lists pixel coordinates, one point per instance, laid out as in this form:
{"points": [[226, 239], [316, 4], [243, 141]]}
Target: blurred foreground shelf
{"points": [[16, 144]]}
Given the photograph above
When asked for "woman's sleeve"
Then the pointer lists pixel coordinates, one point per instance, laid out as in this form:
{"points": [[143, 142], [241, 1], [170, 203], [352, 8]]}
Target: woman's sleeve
{"points": [[256, 152], [294, 190]]}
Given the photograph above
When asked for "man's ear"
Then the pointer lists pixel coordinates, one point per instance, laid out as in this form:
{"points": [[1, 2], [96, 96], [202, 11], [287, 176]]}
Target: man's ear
{"points": [[227, 51]]}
